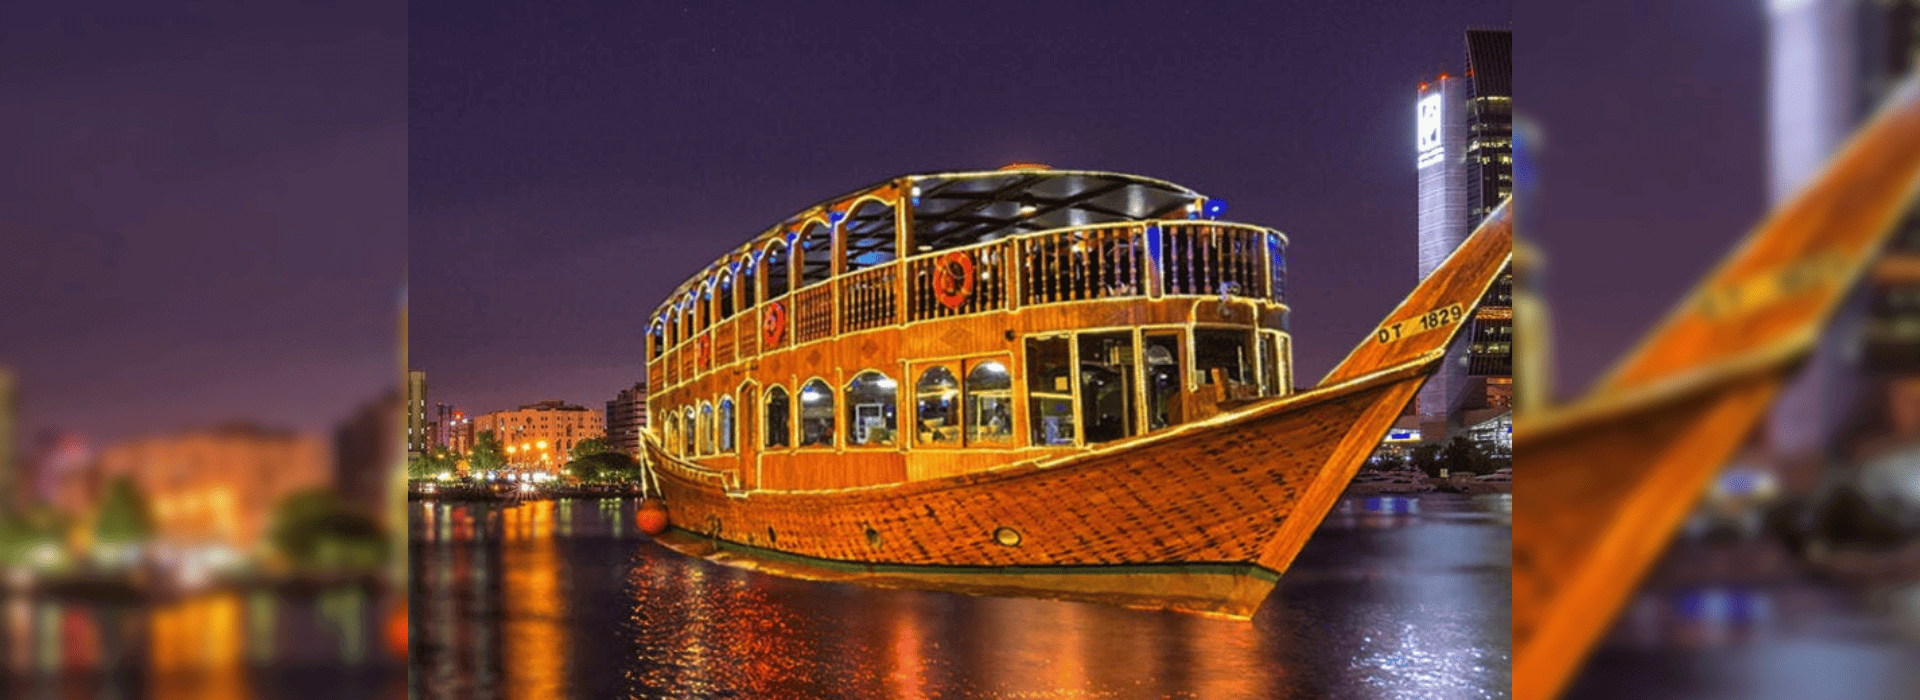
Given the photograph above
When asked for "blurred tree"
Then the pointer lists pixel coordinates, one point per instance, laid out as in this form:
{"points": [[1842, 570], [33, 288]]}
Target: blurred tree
{"points": [[124, 517], [587, 448], [604, 467], [316, 529]]}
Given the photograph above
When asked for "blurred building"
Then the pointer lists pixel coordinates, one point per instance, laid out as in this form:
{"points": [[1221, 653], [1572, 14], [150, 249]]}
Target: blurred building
{"points": [[417, 439], [58, 470], [366, 450], [540, 435], [1832, 62], [626, 417], [440, 428], [460, 433], [221, 484]]}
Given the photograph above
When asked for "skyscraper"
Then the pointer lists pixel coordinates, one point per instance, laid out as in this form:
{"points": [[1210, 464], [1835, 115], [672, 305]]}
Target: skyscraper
{"points": [[1440, 152]]}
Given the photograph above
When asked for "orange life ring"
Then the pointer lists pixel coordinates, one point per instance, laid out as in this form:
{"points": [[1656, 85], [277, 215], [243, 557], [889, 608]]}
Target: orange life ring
{"points": [[953, 279], [774, 326]]}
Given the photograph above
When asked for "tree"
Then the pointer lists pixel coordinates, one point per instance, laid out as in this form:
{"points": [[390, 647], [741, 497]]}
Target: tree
{"points": [[432, 464], [1426, 458], [487, 454], [604, 466], [587, 448], [1465, 456]]}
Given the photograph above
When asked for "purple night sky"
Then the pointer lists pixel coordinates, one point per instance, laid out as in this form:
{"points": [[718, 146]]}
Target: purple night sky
{"points": [[572, 162], [203, 214]]}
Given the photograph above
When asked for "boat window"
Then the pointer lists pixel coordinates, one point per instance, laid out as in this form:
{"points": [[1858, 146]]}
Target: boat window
{"points": [[703, 308], [1227, 350], [936, 400], [725, 295], [672, 432], [748, 291], [1049, 391], [1162, 357], [989, 404], [1106, 385], [870, 236], [779, 272], [816, 245], [778, 412], [872, 409], [816, 414], [1270, 365], [1277, 255], [706, 429], [659, 340], [690, 433], [688, 319], [726, 425]]}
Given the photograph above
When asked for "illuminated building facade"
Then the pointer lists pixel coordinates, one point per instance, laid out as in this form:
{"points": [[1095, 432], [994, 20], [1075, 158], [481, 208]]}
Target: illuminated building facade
{"points": [[218, 485], [626, 417], [1440, 152], [539, 436]]}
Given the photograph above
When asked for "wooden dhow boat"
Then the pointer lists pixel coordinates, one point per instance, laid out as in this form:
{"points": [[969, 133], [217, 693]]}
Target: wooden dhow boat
{"points": [[1608, 479], [1025, 382]]}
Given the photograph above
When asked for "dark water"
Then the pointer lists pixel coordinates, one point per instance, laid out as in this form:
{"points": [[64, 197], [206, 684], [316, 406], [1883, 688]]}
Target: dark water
{"points": [[1392, 598], [219, 644], [1726, 621]]}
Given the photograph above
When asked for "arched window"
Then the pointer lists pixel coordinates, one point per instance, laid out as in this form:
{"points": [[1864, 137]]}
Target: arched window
{"points": [[816, 255], [748, 290], [673, 327], [659, 340], [989, 404], [670, 436], [779, 270], [703, 306], [936, 400], [706, 428], [688, 318], [779, 412], [816, 414], [691, 433], [870, 235], [872, 409], [726, 425], [724, 291]]}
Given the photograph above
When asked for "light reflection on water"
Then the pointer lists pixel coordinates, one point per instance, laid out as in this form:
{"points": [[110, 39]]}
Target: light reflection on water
{"points": [[567, 599]]}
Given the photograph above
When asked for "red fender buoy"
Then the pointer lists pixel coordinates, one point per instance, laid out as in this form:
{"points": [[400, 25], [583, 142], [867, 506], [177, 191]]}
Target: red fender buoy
{"points": [[397, 630], [652, 517]]}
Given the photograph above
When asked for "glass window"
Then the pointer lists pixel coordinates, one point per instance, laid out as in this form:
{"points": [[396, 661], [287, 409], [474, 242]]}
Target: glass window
{"points": [[872, 409], [778, 412], [726, 425], [936, 399], [1164, 407], [1270, 365], [671, 436], [779, 274], [989, 404], [659, 340], [816, 244], [1223, 349], [1049, 391], [816, 414], [687, 444], [706, 429], [1106, 385], [725, 294]]}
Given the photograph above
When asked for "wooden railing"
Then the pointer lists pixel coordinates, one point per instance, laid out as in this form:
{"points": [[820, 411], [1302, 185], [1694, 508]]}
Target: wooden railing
{"points": [[867, 299], [1196, 258]]}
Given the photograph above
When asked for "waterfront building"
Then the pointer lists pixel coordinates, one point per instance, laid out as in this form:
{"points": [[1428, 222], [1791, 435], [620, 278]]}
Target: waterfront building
{"points": [[367, 448], [539, 436], [626, 418], [216, 485]]}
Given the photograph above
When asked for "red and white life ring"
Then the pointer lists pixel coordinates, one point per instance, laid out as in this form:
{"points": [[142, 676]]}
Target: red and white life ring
{"points": [[953, 279], [774, 326]]}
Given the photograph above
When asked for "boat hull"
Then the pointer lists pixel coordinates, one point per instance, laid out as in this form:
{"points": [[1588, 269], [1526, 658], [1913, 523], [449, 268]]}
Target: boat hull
{"points": [[1201, 518]]}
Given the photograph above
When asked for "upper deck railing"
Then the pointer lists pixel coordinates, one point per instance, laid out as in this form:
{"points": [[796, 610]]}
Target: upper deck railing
{"points": [[1135, 259]]}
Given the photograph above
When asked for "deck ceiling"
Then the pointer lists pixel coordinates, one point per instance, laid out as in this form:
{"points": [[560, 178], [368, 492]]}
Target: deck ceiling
{"points": [[959, 211]]}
